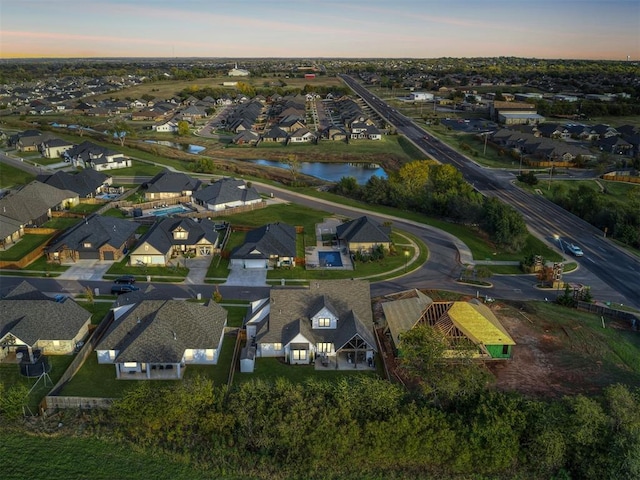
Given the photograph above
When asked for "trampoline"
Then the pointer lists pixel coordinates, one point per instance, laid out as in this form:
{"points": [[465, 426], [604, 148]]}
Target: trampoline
{"points": [[329, 259], [37, 368]]}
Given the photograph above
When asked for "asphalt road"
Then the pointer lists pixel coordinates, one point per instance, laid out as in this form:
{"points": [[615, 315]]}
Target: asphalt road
{"points": [[611, 265]]}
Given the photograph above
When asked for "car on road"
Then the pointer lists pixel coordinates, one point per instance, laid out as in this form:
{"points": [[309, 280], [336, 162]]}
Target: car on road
{"points": [[125, 280], [575, 250], [118, 288]]}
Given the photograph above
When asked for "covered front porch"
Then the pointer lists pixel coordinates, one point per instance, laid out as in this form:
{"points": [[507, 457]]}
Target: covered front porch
{"points": [[346, 360]]}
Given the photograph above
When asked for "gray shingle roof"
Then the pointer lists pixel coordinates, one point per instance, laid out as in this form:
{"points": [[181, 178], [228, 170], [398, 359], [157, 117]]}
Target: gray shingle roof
{"points": [[364, 230], [32, 201], [157, 331], [31, 316], [84, 183], [97, 231], [160, 235], [226, 190], [172, 182], [291, 310], [272, 239]]}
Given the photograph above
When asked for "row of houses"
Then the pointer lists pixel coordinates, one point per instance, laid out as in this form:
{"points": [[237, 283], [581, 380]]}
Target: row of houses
{"points": [[329, 324], [540, 147]]}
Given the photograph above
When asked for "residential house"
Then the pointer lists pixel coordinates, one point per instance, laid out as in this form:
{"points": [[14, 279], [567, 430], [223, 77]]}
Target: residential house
{"points": [[169, 126], [95, 237], [329, 323], [171, 237], [302, 135], [514, 113], [30, 140], [458, 322], [33, 321], [168, 184], [275, 134], [90, 155], [31, 205], [246, 137], [226, 193], [86, 183], [269, 246], [54, 147], [333, 132], [158, 339], [615, 145], [363, 235]]}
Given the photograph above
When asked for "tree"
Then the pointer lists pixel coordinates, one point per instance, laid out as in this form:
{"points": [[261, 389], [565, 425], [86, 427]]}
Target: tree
{"points": [[183, 128], [294, 167], [120, 130], [504, 224]]}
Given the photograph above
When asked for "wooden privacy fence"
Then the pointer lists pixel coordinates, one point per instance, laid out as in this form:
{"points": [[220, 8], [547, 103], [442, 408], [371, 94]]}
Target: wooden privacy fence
{"points": [[620, 178], [605, 311], [84, 403]]}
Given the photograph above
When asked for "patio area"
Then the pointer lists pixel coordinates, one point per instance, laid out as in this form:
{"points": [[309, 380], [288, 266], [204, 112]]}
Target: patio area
{"points": [[325, 254], [345, 361]]}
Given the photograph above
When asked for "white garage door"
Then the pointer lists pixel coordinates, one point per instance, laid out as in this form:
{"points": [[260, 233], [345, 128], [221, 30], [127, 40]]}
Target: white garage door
{"points": [[255, 264]]}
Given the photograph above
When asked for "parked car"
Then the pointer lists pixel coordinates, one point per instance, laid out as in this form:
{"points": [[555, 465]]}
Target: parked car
{"points": [[119, 288], [125, 280]]}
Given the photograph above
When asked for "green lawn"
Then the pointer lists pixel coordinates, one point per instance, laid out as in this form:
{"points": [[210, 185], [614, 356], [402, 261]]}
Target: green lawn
{"points": [[269, 369], [61, 223], [11, 176], [27, 244], [68, 456], [114, 212], [10, 376], [122, 268], [42, 265], [96, 380], [86, 208]]}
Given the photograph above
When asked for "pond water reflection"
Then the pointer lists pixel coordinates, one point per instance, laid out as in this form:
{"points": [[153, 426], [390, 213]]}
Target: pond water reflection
{"points": [[185, 147], [332, 172]]}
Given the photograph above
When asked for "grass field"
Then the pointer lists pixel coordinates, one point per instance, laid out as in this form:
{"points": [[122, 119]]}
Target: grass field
{"points": [[11, 176], [75, 457], [27, 244]]}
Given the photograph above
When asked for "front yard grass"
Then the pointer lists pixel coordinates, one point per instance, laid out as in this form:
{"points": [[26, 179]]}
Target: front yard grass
{"points": [[122, 267]]}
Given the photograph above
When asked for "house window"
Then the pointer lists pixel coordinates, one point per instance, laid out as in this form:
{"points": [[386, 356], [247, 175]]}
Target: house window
{"points": [[324, 322], [209, 353], [180, 235], [299, 354], [130, 365], [277, 346], [112, 354], [325, 347], [505, 349], [56, 343], [86, 245]]}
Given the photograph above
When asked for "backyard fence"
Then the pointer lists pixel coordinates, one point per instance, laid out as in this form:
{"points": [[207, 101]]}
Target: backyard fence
{"points": [[607, 312], [84, 403]]}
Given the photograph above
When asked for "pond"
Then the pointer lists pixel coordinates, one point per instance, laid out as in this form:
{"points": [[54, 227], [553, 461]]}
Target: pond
{"points": [[185, 147], [332, 172]]}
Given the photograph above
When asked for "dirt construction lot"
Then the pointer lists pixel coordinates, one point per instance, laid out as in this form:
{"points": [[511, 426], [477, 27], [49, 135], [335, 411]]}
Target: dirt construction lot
{"points": [[563, 351]]}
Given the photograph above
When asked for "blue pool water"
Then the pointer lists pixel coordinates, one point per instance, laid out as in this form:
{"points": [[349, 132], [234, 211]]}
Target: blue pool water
{"points": [[329, 259], [163, 212]]}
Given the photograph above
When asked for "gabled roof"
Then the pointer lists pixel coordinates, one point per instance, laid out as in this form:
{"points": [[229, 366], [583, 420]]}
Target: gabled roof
{"points": [[275, 133], [157, 331], [32, 201], [172, 182], [160, 235], [363, 230], [351, 300], [479, 323], [97, 231], [272, 239], [227, 190], [84, 183], [31, 316], [88, 151], [402, 315]]}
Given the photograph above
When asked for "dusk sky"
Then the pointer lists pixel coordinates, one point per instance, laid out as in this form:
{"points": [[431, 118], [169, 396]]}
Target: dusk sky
{"points": [[587, 29]]}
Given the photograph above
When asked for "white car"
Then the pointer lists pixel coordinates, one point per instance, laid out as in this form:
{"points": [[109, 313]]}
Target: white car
{"points": [[575, 250]]}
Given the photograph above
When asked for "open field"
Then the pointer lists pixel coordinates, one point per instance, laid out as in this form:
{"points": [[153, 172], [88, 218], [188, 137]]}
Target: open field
{"points": [[10, 176], [562, 351]]}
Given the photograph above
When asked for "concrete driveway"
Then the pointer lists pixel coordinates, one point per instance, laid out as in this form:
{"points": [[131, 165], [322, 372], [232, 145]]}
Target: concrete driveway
{"points": [[86, 270], [247, 277]]}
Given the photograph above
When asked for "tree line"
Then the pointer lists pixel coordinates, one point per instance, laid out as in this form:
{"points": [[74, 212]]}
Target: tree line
{"points": [[434, 189]]}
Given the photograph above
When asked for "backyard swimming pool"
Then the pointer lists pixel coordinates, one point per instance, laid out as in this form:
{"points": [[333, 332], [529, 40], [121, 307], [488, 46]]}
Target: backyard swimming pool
{"points": [[163, 212], [329, 259]]}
